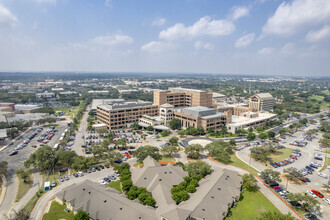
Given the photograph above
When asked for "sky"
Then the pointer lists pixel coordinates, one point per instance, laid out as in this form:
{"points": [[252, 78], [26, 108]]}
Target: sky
{"points": [[256, 37]]}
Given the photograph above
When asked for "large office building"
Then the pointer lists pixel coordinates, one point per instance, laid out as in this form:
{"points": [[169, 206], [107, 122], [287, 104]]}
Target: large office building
{"points": [[200, 116], [118, 113], [181, 97], [262, 102]]}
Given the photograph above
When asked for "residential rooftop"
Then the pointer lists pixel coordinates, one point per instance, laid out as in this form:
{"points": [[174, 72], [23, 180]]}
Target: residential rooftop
{"points": [[199, 111]]}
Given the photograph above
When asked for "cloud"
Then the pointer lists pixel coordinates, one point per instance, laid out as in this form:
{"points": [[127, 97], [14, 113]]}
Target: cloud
{"points": [[239, 11], [7, 19], [200, 45], [157, 46], [266, 50], [112, 40], [318, 35], [159, 22], [108, 3], [287, 49], [244, 41], [203, 27], [289, 18]]}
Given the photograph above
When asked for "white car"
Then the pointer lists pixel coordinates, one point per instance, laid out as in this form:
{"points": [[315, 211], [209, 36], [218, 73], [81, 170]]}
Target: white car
{"points": [[325, 176], [326, 200], [102, 182], [328, 167], [311, 193]]}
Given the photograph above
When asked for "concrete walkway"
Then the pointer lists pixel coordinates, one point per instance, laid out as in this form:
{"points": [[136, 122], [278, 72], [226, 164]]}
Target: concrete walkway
{"points": [[37, 183], [3, 189]]}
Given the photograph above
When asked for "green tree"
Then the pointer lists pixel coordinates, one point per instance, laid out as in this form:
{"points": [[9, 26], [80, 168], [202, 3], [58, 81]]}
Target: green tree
{"points": [[175, 124], [220, 151], [44, 159], [12, 132], [170, 149], [251, 136], [232, 142], [271, 175], [250, 129], [142, 152], [282, 131], [327, 185], [260, 153], [308, 202], [200, 131], [66, 158], [81, 215], [194, 150], [173, 140], [180, 196], [97, 150], [182, 133], [292, 173], [271, 134], [198, 169], [249, 182], [165, 133], [135, 126], [126, 185], [122, 143], [263, 136], [150, 128], [275, 215], [191, 131], [24, 175], [114, 156]]}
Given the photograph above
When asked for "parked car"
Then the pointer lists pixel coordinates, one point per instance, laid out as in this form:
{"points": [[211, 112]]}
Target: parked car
{"points": [[317, 193], [53, 183], [61, 179], [310, 216], [311, 193], [66, 177], [326, 200], [13, 153], [323, 175], [102, 182]]}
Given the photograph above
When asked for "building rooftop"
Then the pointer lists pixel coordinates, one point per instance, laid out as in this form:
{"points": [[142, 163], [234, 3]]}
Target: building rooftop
{"points": [[197, 111], [117, 105], [240, 120], [3, 133], [264, 95], [27, 107], [104, 203], [179, 89], [97, 102]]}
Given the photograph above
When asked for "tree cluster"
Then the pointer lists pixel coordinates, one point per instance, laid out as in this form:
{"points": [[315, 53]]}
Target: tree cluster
{"points": [[220, 151], [142, 152]]}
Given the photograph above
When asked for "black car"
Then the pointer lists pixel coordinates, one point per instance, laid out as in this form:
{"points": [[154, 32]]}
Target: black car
{"points": [[98, 168], [75, 175], [101, 166], [273, 164], [311, 216], [274, 184], [107, 179], [107, 166], [308, 180], [13, 153]]}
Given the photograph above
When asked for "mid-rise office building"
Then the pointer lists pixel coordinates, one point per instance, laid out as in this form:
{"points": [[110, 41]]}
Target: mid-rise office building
{"points": [[119, 114], [262, 102], [200, 116], [181, 97]]}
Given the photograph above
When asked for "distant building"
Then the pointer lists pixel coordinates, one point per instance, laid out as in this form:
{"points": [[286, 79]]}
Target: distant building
{"points": [[8, 104], [27, 108], [119, 114], [47, 95], [181, 97], [262, 102], [200, 116], [217, 97]]}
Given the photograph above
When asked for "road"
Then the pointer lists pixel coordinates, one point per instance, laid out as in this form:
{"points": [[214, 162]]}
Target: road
{"points": [[79, 141], [17, 162]]}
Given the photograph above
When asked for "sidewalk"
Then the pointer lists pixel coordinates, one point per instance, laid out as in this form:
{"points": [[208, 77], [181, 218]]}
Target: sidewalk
{"points": [[3, 189]]}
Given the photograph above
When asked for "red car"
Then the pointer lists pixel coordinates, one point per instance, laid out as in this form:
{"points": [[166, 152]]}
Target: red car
{"points": [[303, 180], [317, 193], [277, 187], [34, 146]]}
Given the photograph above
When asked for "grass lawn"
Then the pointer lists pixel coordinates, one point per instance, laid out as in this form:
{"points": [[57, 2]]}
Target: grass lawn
{"points": [[22, 188], [115, 185], [29, 206], [316, 97], [251, 205], [167, 158], [238, 163], [327, 163], [325, 105], [327, 92], [56, 212], [281, 154], [137, 164], [52, 177], [68, 111]]}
